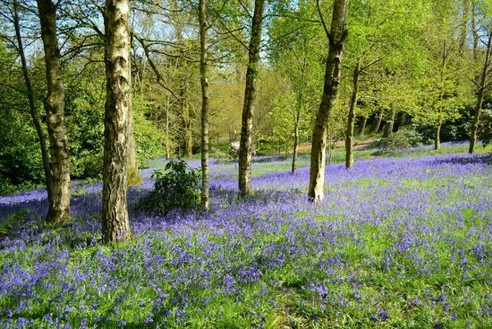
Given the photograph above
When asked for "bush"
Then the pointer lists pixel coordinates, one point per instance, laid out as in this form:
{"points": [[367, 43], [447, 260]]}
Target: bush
{"points": [[175, 187], [402, 139], [485, 128]]}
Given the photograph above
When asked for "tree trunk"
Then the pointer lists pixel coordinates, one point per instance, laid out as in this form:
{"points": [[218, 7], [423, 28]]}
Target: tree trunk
{"points": [[336, 37], [349, 133], [33, 111], [464, 24], [437, 137], [245, 146], [296, 134], [480, 96], [205, 103], [388, 127], [377, 123], [59, 203], [134, 177], [474, 29], [185, 112], [363, 125], [115, 224]]}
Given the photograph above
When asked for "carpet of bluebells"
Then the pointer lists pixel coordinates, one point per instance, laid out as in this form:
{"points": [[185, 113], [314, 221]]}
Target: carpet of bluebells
{"points": [[397, 243]]}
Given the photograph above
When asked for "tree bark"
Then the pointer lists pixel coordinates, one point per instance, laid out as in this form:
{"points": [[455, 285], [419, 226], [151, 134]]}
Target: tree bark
{"points": [[377, 123], [388, 127], [349, 133], [185, 113], [205, 103], [474, 29], [115, 224], [33, 111], [464, 24], [363, 125], [333, 71], [437, 136], [297, 119], [59, 203], [480, 96], [245, 145], [134, 177]]}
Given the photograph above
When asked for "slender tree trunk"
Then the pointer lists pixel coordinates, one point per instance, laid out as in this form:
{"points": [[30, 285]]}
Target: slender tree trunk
{"points": [[363, 125], [33, 111], [388, 127], [134, 177], [474, 29], [205, 103], [245, 146], [59, 203], [333, 71], [437, 136], [480, 96], [297, 119], [167, 126], [464, 24], [349, 133], [115, 224], [377, 123], [185, 112]]}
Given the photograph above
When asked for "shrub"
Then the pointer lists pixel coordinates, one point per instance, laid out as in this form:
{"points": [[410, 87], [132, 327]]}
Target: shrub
{"points": [[485, 128], [402, 139], [175, 187]]}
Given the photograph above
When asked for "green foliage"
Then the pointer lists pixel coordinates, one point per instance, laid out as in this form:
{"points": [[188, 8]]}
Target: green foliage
{"points": [[149, 139], [402, 139], [176, 187], [485, 128]]}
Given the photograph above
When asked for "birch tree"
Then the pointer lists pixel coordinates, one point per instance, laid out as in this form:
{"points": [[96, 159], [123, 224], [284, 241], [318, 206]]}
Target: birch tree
{"points": [[54, 104], [115, 224]]}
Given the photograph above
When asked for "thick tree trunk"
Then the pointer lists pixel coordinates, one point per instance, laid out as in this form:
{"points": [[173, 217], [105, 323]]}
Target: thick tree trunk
{"points": [[388, 127], [377, 123], [437, 137], [349, 133], [205, 103], [330, 92], [59, 203], [115, 224], [33, 111], [185, 113], [480, 96], [245, 145]]}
